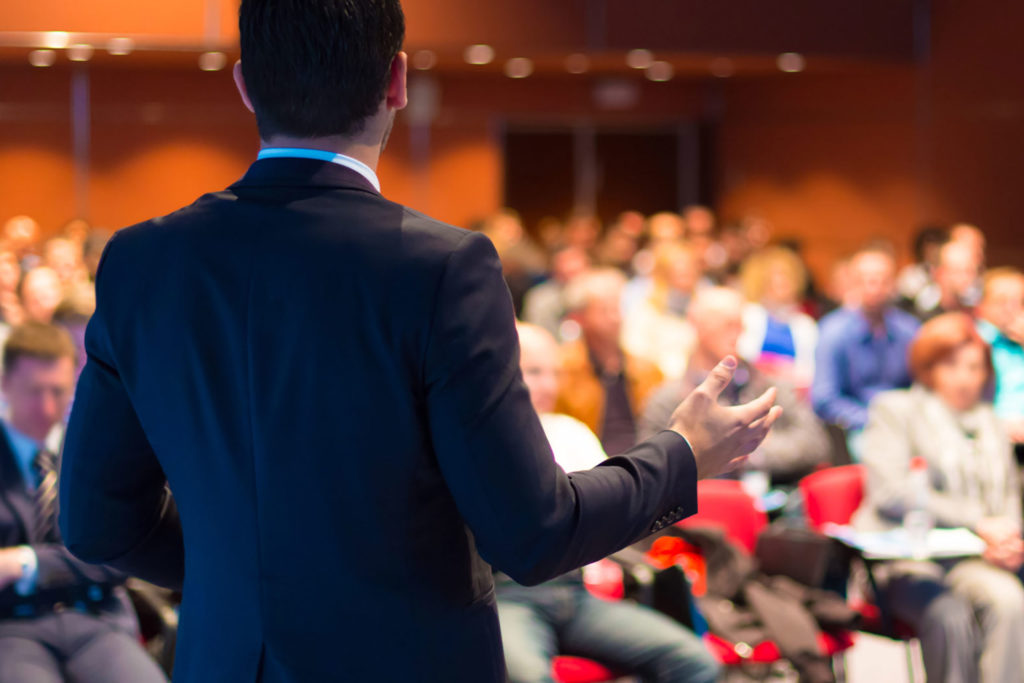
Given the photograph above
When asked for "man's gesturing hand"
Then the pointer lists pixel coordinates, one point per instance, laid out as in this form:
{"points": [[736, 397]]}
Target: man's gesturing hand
{"points": [[722, 436]]}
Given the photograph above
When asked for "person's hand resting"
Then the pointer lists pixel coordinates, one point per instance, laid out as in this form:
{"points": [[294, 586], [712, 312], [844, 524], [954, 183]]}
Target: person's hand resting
{"points": [[720, 436], [1003, 544], [11, 569]]}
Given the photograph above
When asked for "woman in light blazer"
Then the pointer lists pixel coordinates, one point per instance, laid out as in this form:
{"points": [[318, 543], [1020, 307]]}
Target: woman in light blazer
{"points": [[968, 613]]}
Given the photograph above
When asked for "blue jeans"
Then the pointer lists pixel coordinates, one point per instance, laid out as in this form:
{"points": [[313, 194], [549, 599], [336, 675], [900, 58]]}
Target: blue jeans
{"points": [[540, 622]]}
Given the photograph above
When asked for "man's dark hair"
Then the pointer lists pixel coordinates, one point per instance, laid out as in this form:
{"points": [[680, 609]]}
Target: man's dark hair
{"points": [[317, 68], [38, 340]]}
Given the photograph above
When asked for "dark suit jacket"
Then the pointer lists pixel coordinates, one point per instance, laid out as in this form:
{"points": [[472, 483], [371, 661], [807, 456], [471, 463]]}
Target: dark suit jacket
{"points": [[330, 383], [60, 573]]}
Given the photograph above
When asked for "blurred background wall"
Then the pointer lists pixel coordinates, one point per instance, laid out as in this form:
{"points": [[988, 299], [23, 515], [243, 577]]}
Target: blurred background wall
{"points": [[891, 113]]}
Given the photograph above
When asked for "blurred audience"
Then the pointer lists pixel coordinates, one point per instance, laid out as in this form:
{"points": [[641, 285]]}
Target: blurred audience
{"points": [[661, 228], [41, 294], [777, 336], [955, 282], [60, 619], [544, 304], [797, 443], [656, 329], [523, 262], [64, 257], [918, 278], [1001, 324], [21, 235], [862, 350], [957, 607], [560, 616], [603, 386]]}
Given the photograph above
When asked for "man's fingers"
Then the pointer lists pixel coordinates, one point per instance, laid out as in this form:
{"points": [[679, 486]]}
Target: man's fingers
{"points": [[768, 420], [735, 463], [719, 378], [756, 409]]}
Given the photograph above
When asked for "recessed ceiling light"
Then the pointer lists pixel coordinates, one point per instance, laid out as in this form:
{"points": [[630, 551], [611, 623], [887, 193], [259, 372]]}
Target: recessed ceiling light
{"points": [[80, 52], [791, 62], [577, 63], [424, 60], [120, 46], [56, 40], [479, 54], [660, 72], [42, 58], [722, 67], [518, 67], [212, 61], [639, 59]]}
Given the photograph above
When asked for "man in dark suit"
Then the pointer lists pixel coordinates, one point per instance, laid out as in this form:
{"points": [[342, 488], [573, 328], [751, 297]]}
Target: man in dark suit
{"points": [[60, 618], [329, 383]]}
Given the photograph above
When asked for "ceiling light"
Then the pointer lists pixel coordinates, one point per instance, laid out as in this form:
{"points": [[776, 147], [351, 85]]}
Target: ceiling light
{"points": [[577, 63], [639, 59], [80, 52], [212, 61], [120, 46], [55, 40], [424, 60], [660, 72], [791, 62], [479, 54], [518, 67], [42, 58], [722, 67]]}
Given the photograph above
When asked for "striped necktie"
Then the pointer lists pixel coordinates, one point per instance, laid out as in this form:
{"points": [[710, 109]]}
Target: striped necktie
{"points": [[45, 465]]}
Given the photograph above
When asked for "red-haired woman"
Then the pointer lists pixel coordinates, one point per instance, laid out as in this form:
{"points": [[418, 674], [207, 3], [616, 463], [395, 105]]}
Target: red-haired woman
{"points": [[969, 613]]}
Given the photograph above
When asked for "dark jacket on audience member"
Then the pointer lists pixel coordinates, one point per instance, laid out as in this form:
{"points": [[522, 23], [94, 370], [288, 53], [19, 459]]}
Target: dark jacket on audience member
{"points": [[330, 383], [61, 579]]}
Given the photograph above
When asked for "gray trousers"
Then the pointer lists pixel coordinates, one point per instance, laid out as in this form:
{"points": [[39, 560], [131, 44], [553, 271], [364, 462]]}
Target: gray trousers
{"points": [[968, 615]]}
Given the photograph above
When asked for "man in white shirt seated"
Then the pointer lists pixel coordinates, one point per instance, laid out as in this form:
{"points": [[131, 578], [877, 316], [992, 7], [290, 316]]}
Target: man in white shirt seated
{"points": [[560, 616]]}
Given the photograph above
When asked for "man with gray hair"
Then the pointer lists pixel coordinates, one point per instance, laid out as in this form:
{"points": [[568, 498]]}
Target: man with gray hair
{"points": [[798, 442]]}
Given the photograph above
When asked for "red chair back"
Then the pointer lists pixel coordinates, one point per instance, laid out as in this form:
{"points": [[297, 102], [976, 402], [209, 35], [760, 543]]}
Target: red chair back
{"points": [[832, 495], [724, 503]]}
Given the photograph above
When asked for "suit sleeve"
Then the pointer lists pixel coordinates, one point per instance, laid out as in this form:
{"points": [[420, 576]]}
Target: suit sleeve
{"points": [[529, 519], [115, 508]]}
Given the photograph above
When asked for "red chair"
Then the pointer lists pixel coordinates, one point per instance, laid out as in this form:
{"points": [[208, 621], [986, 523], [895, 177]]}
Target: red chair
{"points": [[723, 503], [603, 580], [832, 495]]}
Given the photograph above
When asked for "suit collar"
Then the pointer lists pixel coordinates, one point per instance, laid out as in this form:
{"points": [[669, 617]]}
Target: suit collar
{"points": [[295, 172]]}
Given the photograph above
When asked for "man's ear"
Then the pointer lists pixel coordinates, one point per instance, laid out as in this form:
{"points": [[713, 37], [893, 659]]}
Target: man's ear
{"points": [[398, 96], [240, 84]]}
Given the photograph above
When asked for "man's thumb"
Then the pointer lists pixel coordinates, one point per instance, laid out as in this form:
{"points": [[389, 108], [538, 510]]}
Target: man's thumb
{"points": [[716, 382]]}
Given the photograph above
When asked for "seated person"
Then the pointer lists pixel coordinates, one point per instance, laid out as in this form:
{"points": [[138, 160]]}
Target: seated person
{"points": [[603, 386], [560, 616], [656, 328], [862, 351], [956, 276], [1001, 324], [777, 336], [798, 441], [957, 607], [60, 619]]}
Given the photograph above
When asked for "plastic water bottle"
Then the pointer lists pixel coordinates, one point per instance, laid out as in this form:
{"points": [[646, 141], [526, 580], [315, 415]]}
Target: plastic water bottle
{"points": [[917, 520]]}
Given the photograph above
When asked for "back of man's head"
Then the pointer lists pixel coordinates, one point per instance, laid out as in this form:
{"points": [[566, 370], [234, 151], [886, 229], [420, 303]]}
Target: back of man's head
{"points": [[317, 68]]}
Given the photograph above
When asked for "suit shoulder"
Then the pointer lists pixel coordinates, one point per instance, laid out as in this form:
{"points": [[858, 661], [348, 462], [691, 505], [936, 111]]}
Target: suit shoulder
{"points": [[190, 214]]}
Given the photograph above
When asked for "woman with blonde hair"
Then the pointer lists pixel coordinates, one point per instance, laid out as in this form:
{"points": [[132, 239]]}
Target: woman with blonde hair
{"points": [[777, 337], [657, 329]]}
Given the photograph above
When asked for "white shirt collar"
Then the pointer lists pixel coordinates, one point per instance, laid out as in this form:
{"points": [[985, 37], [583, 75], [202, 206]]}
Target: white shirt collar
{"points": [[322, 155]]}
